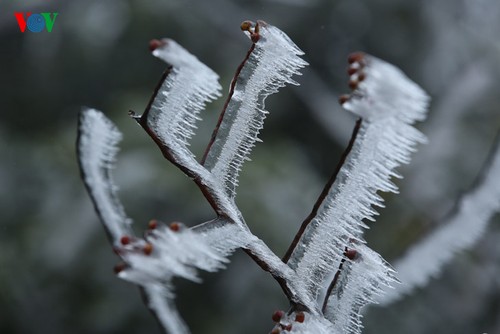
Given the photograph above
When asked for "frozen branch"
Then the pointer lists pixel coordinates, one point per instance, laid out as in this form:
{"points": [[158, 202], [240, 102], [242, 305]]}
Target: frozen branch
{"points": [[328, 274], [388, 103], [460, 231], [269, 65], [97, 148]]}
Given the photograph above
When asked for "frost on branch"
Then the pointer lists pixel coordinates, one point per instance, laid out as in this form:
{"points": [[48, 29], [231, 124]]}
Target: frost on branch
{"points": [[97, 148], [169, 119], [389, 104], [301, 323], [171, 251], [270, 64], [170, 116], [329, 273], [461, 230], [363, 277], [150, 262], [185, 88]]}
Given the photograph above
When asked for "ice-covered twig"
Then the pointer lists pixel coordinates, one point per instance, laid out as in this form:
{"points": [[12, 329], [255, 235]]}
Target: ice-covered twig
{"points": [[269, 65], [172, 112], [171, 115], [324, 297], [363, 277], [388, 103], [160, 301], [150, 262], [97, 147], [462, 228]]}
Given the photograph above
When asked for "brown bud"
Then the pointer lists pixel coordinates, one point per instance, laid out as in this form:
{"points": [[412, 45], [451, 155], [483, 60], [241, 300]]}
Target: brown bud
{"points": [[153, 224], [288, 327], [300, 317], [353, 84], [351, 70], [277, 315], [351, 254], [125, 240], [148, 249], [355, 57], [155, 44], [175, 226], [361, 76], [246, 25], [343, 99], [119, 267]]}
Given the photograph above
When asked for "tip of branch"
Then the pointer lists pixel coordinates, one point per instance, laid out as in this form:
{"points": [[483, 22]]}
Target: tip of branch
{"points": [[134, 115], [125, 240], [175, 226], [148, 249], [252, 29], [343, 99], [153, 224], [300, 317], [277, 315], [119, 267], [355, 57], [357, 62], [351, 254], [155, 44]]}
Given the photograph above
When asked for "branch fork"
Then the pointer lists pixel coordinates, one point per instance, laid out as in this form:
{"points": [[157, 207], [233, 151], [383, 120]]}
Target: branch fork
{"points": [[328, 273]]}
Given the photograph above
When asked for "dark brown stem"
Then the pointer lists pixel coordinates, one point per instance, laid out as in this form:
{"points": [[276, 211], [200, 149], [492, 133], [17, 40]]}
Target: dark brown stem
{"points": [[167, 153], [324, 193], [350, 254], [332, 286], [143, 119]]}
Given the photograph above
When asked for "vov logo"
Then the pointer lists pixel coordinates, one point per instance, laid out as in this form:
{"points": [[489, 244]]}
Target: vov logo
{"points": [[35, 22]]}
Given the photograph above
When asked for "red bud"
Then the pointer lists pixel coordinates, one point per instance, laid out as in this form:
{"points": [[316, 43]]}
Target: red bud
{"points": [[300, 317], [125, 240], [355, 57], [155, 44], [277, 315]]}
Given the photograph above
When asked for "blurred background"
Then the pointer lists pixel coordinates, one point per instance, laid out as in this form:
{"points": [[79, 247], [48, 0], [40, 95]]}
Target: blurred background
{"points": [[55, 263]]}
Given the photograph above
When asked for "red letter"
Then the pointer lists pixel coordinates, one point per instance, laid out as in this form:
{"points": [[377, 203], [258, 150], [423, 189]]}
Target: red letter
{"points": [[21, 21]]}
